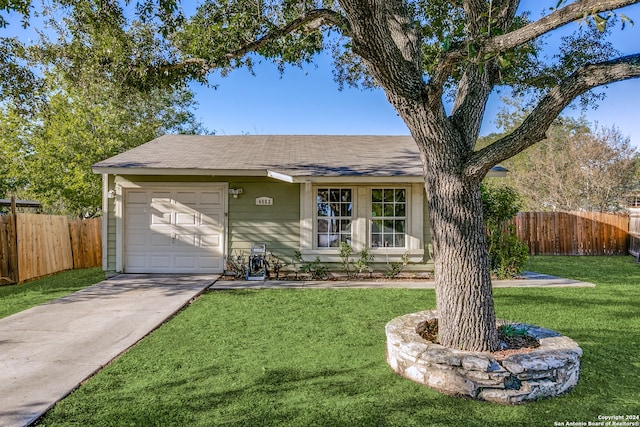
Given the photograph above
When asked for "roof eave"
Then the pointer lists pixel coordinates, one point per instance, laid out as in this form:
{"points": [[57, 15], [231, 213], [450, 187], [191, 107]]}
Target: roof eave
{"points": [[281, 176]]}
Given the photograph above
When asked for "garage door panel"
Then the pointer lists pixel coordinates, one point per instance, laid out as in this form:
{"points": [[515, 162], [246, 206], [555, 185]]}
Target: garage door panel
{"points": [[160, 261], [137, 217], [186, 197], [210, 241], [210, 262], [211, 198], [187, 218], [160, 218], [137, 240], [186, 240], [185, 262], [177, 230], [136, 261], [160, 240], [213, 219], [136, 197]]}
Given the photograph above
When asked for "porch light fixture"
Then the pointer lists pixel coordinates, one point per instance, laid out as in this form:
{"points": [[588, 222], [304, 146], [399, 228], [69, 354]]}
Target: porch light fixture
{"points": [[235, 192], [111, 194]]}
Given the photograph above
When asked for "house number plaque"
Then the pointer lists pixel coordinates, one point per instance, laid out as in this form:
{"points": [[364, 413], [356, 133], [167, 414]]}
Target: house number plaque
{"points": [[264, 201]]}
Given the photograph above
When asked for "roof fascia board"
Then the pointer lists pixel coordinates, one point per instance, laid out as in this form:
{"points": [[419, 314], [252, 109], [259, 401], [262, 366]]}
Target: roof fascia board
{"points": [[280, 176], [356, 179]]}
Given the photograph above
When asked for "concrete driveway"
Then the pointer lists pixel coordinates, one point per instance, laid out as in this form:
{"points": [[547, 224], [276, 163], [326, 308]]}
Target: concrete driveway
{"points": [[48, 350]]}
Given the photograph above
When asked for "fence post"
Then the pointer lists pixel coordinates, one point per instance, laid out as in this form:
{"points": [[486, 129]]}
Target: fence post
{"points": [[8, 250]]}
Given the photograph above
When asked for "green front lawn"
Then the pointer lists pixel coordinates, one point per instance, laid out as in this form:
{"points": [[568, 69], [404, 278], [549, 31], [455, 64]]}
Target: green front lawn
{"points": [[16, 298], [317, 358]]}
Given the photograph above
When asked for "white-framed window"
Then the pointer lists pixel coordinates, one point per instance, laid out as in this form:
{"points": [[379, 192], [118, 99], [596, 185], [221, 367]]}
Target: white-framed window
{"points": [[387, 218], [388, 227], [334, 216]]}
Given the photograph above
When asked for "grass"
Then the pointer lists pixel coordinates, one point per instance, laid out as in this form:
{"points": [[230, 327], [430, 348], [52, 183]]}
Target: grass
{"points": [[16, 298], [317, 358]]}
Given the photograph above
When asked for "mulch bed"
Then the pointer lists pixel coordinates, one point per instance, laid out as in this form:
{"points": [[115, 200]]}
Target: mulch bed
{"points": [[511, 344]]}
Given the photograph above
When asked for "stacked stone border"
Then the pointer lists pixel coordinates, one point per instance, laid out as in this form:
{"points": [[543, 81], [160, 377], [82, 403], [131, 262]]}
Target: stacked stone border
{"points": [[549, 370]]}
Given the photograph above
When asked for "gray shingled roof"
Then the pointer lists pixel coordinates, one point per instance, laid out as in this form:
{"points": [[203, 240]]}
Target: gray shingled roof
{"points": [[292, 155]]}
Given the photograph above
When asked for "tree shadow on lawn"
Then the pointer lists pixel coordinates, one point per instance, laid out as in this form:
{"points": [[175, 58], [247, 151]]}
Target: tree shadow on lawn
{"points": [[334, 397], [370, 395]]}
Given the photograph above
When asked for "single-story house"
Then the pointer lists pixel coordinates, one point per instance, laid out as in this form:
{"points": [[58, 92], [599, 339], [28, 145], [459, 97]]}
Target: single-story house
{"points": [[181, 203]]}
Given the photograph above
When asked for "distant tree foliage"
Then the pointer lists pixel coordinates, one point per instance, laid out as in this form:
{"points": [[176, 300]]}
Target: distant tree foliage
{"points": [[47, 155], [578, 167], [58, 117]]}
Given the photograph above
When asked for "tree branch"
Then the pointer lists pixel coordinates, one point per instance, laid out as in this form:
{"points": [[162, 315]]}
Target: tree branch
{"points": [[384, 35], [558, 18], [473, 10], [316, 18], [535, 126], [476, 84]]}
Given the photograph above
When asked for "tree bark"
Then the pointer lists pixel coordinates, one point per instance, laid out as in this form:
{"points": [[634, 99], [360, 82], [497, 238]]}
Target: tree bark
{"points": [[466, 317]]}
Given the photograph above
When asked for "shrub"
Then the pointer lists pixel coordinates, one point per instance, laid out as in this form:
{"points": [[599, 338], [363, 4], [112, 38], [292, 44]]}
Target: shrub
{"points": [[507, 253], [315, 268], [362, 264]]}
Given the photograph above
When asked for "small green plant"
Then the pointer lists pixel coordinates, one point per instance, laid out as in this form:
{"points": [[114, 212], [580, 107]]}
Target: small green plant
{"points": [[315, 267], [345, 253], [350, 267], [514, 335], [513, 330], [395, 268], [364, 261]]}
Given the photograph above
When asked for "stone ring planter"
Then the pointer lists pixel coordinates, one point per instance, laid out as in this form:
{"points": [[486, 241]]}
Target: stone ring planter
{"points": [[549, 370]]}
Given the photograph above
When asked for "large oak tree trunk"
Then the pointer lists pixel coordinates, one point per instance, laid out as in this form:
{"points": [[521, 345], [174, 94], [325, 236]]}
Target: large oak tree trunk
{"points": [[466, 318]]}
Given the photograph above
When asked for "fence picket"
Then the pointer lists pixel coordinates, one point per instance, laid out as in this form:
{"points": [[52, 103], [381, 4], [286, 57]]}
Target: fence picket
{"points": [[576, 233]]}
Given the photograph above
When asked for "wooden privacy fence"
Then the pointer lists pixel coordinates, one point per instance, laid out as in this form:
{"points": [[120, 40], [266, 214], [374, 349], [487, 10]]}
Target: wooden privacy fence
{"points": [[34, 245], [573, 233]]}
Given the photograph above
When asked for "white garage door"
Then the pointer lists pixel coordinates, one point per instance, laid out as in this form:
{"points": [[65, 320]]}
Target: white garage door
{"points": [[177, 230]]}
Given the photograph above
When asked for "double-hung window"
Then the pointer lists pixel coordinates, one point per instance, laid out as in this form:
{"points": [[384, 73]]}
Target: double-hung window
{"points": [[388, 218], [334, 216]]}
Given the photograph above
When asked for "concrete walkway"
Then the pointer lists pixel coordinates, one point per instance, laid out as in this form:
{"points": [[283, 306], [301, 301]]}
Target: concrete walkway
{"points": [[527, 280], [48, 350]]}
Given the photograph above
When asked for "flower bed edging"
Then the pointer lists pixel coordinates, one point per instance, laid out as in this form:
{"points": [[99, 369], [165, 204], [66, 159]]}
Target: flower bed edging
{"points": [[549, 370]]}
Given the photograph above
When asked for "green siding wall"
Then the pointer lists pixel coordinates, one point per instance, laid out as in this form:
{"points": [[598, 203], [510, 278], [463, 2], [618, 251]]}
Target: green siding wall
{"points": [[278, 225], [111, 229]]}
